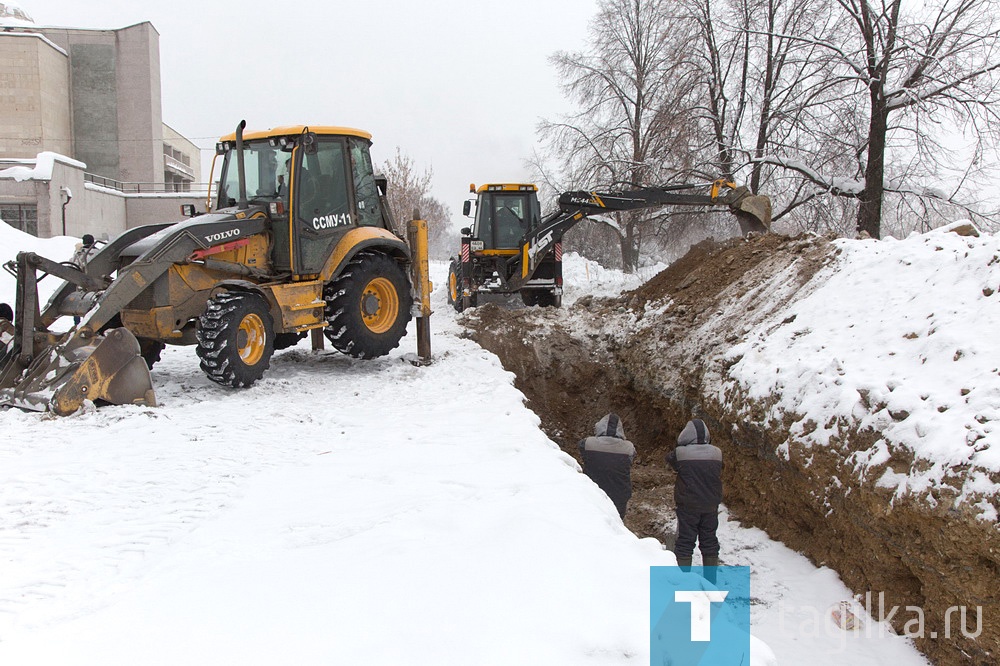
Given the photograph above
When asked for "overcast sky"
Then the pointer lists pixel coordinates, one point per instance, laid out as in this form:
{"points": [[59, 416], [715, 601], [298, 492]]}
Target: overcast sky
{"points": [[458, 85]]}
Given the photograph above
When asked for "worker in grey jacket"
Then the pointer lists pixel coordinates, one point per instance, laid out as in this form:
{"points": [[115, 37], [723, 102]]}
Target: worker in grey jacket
{"points": [[697, 493], [607, 460]]}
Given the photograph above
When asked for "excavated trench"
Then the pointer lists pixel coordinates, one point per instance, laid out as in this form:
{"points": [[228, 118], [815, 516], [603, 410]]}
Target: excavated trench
{"points": [[576, 364]]}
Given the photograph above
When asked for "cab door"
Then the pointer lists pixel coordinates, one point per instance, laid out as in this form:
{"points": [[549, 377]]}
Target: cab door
{"points": [[323, 207]]}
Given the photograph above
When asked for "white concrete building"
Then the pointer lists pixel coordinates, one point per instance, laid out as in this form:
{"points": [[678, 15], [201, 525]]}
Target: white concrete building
{"points": [[88, 103]]}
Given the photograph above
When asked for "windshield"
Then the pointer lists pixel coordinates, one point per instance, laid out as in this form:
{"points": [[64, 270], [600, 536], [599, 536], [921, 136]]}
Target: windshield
{"points": [[266, 169], [502, 218]]}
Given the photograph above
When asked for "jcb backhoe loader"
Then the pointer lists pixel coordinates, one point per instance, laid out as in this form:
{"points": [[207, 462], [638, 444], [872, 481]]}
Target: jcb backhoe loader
{"points": [[512, 249], [301, 238]]}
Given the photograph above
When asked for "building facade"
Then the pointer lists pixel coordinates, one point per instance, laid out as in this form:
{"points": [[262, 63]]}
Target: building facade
{"points": [[92, 96]]}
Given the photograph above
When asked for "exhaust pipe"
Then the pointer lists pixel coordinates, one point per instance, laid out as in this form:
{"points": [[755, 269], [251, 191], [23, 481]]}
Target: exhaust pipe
{"points": [[239, 165]]}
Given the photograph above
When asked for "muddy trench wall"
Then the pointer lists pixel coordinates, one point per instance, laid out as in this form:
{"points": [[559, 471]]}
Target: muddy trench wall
{"points": [[932, 559]]}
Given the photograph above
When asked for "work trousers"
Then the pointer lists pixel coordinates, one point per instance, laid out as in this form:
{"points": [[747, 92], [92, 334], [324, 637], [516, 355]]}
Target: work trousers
{"points": [[693, 526]]}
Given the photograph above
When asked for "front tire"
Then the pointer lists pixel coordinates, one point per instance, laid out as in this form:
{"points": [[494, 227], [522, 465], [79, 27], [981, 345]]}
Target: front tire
{"points": [[547, 299], [368, 307], [454, 291], [236, 338]]}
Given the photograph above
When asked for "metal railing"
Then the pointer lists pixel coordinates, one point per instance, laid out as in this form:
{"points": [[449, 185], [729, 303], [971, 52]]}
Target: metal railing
{"points": [[194, 189]]}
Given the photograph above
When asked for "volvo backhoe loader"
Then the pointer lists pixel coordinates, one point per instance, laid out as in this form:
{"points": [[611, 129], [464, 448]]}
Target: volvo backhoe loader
{"points": [[511, 248], [301, 238]]}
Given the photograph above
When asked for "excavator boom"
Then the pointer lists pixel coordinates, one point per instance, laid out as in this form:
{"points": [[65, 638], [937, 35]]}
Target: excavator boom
{"points": [[752, 211]]}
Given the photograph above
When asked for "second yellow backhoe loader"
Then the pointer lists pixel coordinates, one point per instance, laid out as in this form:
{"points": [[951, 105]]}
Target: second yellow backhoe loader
{"points": [[512, 249]]}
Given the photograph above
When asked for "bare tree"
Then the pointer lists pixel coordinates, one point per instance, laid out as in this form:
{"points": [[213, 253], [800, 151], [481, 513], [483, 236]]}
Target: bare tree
{"points": [[627, 131], [409, 194], [407, 184], [762, 92], [913, 72], [443, 239]]}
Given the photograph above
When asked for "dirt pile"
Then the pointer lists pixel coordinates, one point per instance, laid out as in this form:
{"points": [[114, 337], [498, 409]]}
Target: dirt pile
{"points": [[657, 356]]}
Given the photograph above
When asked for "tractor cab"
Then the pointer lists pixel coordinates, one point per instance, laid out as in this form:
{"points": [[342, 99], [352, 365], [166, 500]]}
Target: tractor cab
{"points": [[504, 214], [316, 184]]}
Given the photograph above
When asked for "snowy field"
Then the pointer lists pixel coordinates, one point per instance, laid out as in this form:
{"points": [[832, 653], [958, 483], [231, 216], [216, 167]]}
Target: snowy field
{"points": [[347, 512]]}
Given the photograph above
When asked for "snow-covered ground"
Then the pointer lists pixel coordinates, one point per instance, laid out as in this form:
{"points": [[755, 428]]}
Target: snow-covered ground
{"points": [[346, 512]]}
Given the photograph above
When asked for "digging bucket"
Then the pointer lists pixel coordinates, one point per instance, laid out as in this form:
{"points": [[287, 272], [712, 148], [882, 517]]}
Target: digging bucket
{"points": [[753, 212], [103, 368]]}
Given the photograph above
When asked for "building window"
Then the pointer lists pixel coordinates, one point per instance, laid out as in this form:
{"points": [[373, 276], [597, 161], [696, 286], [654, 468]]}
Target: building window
{"points": [[21, 216]]}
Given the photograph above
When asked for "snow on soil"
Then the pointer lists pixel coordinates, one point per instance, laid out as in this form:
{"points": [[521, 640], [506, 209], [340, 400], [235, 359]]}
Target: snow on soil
{"points": [[898, 337], [343, 511]]}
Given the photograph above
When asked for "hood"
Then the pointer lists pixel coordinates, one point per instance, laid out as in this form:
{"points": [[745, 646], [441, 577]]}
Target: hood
{"points": [[201, 232], [695, 432], [609, 426]]}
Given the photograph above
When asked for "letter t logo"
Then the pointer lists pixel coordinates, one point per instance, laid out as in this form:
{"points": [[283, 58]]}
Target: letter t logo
{"points": [[701, 606]]}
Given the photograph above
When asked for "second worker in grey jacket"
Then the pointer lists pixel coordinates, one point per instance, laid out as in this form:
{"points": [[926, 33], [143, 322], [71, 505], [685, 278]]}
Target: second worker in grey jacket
{"points": [[697, 493], [607, 460]]}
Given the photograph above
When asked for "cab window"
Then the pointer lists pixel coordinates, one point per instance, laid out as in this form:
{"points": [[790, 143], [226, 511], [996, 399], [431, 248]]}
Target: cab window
{"points": [[502, 219], [484, 221], [321, 188], [510, 219], [365, 189], [263, 166]]}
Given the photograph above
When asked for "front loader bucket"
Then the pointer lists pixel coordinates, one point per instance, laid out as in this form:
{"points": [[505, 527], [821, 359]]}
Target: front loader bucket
{"points": [[107, 367]]}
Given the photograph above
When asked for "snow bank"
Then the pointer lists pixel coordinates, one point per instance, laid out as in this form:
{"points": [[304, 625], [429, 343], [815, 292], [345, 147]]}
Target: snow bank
{"points": [[13, 241], [584, 277], [898, 337]]}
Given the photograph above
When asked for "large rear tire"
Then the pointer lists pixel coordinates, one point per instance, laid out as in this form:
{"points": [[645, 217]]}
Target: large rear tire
{"points": [[236, 338], [368, 307]]}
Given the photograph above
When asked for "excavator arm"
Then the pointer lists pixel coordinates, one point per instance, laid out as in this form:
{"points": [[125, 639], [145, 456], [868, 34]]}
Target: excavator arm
{"points": [[752, 211]]}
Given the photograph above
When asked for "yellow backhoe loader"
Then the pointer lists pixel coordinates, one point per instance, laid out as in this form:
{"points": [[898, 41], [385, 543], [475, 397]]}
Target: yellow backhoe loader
{"points": [[301, 238], [512, 249]]}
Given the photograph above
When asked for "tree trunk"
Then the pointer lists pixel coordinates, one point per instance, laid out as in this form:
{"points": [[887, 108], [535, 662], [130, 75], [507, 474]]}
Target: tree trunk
{"points": [[630, 260], [870, 210]]}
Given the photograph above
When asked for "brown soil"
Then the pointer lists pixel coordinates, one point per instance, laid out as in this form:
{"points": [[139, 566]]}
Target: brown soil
{"points": [[650, 356]]}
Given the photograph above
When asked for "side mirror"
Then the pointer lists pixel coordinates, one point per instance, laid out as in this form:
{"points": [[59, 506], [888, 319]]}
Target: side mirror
{"points": [[466, 231], [187, 210], [466, 208]]}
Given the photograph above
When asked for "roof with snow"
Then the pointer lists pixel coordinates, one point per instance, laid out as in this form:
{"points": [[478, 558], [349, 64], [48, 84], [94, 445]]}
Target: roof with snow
{"points": [[12, 14]]}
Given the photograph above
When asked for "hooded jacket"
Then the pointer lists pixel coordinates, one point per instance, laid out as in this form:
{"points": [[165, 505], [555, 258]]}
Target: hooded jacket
{"points": [[699, 469], [607, 460]]}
